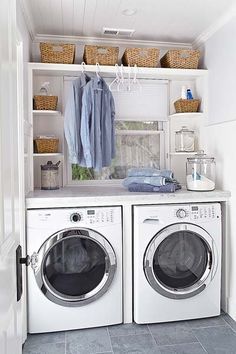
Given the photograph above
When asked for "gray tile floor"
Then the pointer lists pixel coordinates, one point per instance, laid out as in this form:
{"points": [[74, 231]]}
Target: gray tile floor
{"points": [[213, 336]]}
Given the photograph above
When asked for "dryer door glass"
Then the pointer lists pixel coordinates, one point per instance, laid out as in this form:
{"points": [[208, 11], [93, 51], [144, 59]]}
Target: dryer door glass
{"points": [[77, 267], [178, 262]]}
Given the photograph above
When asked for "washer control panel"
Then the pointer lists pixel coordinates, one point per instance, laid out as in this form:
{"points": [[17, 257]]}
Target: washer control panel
{"points": [[93, 216]]}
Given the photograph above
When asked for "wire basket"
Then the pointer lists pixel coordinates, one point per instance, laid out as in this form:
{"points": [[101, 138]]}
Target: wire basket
{"points": [[181, 59], [57, 53], [101, 55], [46, 146], [143, 57], [45, 102], [185, 106]]}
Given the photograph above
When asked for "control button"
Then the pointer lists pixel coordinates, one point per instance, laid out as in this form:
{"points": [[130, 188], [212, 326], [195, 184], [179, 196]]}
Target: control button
{"points": [[181, 213], [75, 217]]}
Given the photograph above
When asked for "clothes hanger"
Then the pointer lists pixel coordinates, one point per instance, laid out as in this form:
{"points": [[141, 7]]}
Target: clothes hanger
{"points": [[98, 71], [121, 84], [135, 82], [116, 80], [83, 67]]}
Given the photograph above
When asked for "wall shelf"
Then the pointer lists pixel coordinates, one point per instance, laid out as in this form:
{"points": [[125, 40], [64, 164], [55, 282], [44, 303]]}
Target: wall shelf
{"points": [[46, 113], [48, 154], [48, 69], [182, 153], [186, 115]]}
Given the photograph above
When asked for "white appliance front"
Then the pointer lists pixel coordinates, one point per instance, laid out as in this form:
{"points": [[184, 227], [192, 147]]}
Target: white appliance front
{"points": [[75, 275], [177, 262]]}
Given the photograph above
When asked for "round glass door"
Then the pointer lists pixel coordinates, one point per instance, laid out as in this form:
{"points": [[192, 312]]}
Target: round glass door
{"points": [[179, 260], [77, 267]]}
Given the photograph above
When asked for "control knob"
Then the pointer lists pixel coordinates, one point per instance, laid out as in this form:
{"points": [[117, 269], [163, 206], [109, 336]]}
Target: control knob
{"points": [[75, 217], [181, 213]]}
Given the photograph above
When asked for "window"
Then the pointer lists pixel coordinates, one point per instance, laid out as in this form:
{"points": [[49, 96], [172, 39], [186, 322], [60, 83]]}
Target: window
{"points": [[139, 133]]}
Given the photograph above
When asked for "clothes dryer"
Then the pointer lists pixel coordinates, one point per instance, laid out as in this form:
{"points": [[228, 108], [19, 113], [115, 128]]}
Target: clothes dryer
{"points": [[177, 262], [75, 275]]}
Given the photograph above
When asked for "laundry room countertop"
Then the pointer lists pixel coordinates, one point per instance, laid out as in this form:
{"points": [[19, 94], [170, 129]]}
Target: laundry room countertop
{"points": [[77, 196]]}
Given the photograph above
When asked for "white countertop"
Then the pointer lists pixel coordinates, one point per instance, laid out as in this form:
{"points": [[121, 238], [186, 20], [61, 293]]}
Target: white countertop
{"points": [[115, 195]]}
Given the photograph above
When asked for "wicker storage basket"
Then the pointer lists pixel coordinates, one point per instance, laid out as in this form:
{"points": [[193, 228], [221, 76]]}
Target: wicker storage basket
{"points": [[184, 106], [144, 57], [45, 102], [181, 59], [46, 145], [101, 55], [57, 53]]}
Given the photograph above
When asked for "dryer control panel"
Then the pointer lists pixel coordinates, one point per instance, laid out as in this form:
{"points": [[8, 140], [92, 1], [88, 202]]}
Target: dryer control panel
{"points": [[202, 212], [197, 212]]}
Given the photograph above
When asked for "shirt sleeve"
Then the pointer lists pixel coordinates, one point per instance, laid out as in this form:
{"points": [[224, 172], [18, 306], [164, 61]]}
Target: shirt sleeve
{"points": [[70, 126], [85, 120], [113, 142]]}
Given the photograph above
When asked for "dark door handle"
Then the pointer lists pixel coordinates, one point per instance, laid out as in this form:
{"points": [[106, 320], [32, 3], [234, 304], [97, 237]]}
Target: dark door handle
{"points": [[25, 260]]}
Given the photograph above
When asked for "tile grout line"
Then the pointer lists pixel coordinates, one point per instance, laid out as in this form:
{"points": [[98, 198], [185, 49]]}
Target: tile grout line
{"points": [[152, 335], [203, 347], [110, 340], [229, 326], [65, 343]]}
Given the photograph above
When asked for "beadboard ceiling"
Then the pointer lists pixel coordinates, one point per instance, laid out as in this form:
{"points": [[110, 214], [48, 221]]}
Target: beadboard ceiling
{"points": [[154, 20]]}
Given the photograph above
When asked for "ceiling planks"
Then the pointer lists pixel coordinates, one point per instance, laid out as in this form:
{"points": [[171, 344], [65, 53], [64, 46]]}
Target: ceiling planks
{"points": [[155, 20]]}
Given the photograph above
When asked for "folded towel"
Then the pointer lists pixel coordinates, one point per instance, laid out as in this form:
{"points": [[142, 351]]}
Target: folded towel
{"points": [[139, 187], [149, 172], [155, 181]]}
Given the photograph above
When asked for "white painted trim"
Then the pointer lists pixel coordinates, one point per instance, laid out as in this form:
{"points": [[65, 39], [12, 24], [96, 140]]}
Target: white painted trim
{"points": [[28, 18], [216, 26], [115, 41]]}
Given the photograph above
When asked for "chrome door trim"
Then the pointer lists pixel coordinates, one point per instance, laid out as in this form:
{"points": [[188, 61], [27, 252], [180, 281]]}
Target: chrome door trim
{"points": [[75, 301], [202, 283]]}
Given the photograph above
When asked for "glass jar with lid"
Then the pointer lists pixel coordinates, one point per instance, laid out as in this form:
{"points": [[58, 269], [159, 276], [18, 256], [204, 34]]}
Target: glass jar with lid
{"points": [[200, 172], [184, 140]]}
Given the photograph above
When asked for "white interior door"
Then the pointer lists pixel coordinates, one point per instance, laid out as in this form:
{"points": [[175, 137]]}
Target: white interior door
{"points": [[10, 205]]}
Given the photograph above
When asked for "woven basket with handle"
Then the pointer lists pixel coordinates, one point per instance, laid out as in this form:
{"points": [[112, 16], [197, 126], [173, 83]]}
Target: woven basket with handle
{"points": [[45, 102], [44, 146], [181, 59], [143, 57], [100, 54], [184, 106], [57, 53]]}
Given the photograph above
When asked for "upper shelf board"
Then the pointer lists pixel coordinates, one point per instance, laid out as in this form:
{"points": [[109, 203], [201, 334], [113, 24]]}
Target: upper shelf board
{"points": [[153, 73], [46, 112]]}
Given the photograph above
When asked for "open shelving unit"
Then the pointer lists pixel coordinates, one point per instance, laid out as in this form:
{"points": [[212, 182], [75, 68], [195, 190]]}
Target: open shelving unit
{"points": [[51, 122]]}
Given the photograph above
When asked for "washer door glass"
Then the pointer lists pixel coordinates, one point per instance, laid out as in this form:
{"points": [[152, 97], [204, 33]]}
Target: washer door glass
{"points": [[77, 267], [179, 261]]}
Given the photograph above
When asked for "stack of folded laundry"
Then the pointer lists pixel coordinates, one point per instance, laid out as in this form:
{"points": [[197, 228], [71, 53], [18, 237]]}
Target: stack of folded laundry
{"points": [[151, 180]]}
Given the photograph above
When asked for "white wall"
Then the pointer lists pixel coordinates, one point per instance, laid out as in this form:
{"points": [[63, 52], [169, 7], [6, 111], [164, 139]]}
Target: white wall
{"points": [[220, 59]]}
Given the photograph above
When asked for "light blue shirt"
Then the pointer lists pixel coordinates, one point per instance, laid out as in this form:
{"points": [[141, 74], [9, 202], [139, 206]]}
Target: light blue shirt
{"points": [[72, 120], [97, 124]]}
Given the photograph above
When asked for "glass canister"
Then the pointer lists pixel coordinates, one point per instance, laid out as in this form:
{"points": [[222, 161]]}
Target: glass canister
{"points": [[184, 140], [200, 172], [50, 176]]}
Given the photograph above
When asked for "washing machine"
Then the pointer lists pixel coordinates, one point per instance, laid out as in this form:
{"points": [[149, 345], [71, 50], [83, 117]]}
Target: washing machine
{"points": [[177, 262], [75, 270]]}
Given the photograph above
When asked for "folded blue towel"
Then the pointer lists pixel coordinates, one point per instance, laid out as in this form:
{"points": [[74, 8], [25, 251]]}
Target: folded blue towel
{"points": [[149, 172], [155, 181], [139, 187]]}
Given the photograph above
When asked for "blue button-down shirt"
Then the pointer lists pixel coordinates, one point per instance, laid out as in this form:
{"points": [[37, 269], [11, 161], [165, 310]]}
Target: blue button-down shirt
{"points": [[72, 119], [97, 124]]}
